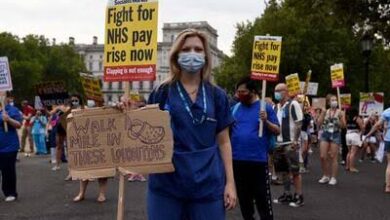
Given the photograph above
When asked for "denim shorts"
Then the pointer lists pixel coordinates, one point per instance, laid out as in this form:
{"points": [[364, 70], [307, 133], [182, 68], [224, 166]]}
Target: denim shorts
{"points": [[387, 147], [331, 137]]}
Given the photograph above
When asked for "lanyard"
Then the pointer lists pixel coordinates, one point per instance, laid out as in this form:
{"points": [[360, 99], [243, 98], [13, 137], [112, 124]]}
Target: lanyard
{"points": [[195, 121]]}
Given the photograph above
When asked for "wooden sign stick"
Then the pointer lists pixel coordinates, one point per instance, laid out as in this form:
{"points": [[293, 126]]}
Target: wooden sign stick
{"points": [[3, 106]]}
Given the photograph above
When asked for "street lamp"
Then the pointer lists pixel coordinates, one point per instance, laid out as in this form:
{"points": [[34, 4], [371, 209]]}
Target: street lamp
{"points": [[366, 42]]}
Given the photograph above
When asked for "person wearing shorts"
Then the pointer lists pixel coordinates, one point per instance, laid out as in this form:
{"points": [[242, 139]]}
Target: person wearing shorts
{"points": [[354, 128], [286, 154]]}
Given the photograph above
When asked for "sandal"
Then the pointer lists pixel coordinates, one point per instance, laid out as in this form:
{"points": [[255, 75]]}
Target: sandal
{"points": [[101, 199], [78, 198]]}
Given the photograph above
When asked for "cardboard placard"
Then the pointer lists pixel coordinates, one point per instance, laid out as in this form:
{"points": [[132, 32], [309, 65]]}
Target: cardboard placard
{"points": [[371, 103], [52, 93], [293, 84], [100, 140], [312, 88], [346, 100], [5, 75], [318, 103], [266, 58], [130, 48], [91, 86], [337, 75]]}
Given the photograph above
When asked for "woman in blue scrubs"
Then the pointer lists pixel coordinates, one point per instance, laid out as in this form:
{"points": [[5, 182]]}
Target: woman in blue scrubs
{"points": [[202, 186]]}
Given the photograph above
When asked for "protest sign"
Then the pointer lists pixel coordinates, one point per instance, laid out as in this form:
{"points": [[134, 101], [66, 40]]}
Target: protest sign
{"points": [[5, 75], [266, 58], [371, 103], [312, 88], [346, 101], [52, 93], [102, 139], [91, 86], [38, 103], [130, 49], [337, 75], [293, 84], [319, 103]]}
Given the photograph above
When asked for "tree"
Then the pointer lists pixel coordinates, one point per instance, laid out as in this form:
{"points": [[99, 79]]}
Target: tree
{"points": [[314, 37], [33, 60]]}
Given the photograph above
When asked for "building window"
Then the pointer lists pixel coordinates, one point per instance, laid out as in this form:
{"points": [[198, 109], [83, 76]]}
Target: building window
{"points": [[151, 85], [130, 85], [90, 66], [109, 98], [101, 56], [100, 66], [110, 85], [141, 85], [120, 85], [90, 57]]}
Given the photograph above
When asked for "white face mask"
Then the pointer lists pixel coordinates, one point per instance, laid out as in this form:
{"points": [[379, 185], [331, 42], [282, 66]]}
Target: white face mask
{"points": [[333, 104], [11, 103]]}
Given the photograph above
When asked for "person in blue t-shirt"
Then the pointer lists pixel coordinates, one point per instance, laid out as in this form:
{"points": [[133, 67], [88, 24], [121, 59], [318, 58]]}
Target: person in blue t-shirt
{"points": [[9, 146], [250, 152], [385, 122], [202, 186]]}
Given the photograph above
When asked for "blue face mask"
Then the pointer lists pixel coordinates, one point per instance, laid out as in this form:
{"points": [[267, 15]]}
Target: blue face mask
{"points": [[278, 96], [191, 62]]}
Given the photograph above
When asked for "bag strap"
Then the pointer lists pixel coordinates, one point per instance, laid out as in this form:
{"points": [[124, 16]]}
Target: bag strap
{"points": [[235, 108]]}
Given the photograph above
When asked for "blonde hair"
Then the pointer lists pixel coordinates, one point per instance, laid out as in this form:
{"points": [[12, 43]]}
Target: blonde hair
{"points": [[174, 68]]}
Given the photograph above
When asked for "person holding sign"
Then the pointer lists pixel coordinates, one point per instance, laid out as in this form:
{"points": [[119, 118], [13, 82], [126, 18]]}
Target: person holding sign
{"points": [[286, 153], [331, 120], [202, 186], [250, 152], [9, 146]]}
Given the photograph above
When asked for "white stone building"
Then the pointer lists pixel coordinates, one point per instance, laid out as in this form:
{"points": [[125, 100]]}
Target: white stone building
{"points": [[93, 58]]}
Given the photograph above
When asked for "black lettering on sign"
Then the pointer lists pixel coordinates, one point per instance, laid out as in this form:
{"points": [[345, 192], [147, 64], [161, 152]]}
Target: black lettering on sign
{"points": [[87, 157]]}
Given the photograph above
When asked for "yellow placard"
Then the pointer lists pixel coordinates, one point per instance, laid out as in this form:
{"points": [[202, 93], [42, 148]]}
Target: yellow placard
{"points": [[293, 84], [337, 75], [346, 100], [91, 86], [130, 48], [266, 58]]}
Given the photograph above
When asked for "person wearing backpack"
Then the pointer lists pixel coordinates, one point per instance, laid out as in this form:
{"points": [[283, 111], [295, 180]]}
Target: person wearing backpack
{"points": [[250, 152]]}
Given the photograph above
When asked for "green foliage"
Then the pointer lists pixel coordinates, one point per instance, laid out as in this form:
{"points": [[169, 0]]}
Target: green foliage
{"points": [[33, 60], [316, 34]]}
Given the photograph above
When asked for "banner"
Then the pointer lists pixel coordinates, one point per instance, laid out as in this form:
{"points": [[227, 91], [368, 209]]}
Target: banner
{"points": [[101, 140], [293, 84], [5, 75], [52, 93], [312, 88], [371, 103], [337, 75], [91, 86], [318, 103], [266, 58], [346, 101], [130, 48]]}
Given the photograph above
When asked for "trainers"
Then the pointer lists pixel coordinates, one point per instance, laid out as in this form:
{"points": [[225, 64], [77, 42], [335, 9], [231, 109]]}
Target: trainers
{"points": [[55, 168], [297, 201], [283, 199], [10, 198], [342, 162], [324, 180], [332, 181], [302, 170]]}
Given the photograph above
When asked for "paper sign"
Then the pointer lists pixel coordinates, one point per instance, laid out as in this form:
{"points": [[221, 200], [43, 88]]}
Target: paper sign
{"points": [[319, 103], [38, 103], [312, 88], [91, 86], [100, 140], [266, 58], [52, 93], [346, 101], [293, 84], [5, 75], [371, 103], [337, 75], [130, 48]]}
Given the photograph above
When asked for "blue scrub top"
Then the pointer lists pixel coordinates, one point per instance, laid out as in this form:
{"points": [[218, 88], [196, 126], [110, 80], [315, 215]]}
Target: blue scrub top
{"points": [[9, 141], [199, 172], [246, 144]]}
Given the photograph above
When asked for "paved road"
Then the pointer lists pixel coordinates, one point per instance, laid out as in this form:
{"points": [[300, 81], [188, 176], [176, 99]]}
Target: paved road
{"points": [[43, 194]]}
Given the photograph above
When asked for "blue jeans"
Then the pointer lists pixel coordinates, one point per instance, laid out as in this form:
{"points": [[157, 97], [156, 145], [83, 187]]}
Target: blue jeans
{"points": [[170, 208], [331, 137]]}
